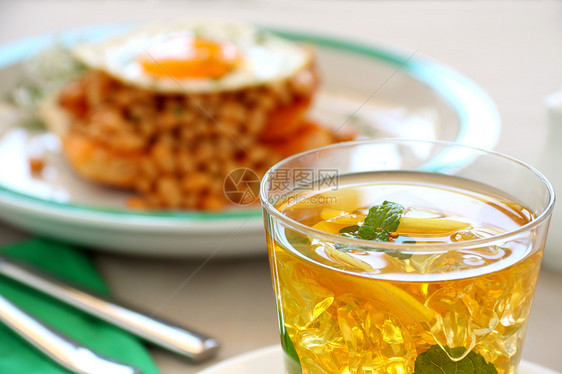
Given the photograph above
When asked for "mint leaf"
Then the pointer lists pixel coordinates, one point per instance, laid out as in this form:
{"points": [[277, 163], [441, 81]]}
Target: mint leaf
{"points": [[382, 236], [385, 216], [436, 361], [381, 221], [351, 230], [367, 233], [292, 360]]}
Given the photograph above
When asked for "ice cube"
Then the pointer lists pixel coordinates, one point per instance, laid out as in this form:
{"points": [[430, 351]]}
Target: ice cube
{"points": [[486, 301], [376, 340], [302, 300], [436, 262], [452, 324], [320, 346]]}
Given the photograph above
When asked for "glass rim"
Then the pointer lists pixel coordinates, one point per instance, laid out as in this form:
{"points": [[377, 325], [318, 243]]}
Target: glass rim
{"points": [[430, 247]]}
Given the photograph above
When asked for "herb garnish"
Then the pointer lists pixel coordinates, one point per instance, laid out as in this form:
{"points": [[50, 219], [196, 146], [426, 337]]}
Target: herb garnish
{"points": [[436, 361], [381, 221], [379, 224]]}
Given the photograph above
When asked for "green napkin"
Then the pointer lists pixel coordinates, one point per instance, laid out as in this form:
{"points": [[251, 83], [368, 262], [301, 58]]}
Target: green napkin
{"points": [[17, 356]]}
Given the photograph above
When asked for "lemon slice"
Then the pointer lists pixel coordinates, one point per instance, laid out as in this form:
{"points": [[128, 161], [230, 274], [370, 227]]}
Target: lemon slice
{"points": [[329, 227], [351, 263], [406, 302], [430, 226], [408, 225], [393, 297]]}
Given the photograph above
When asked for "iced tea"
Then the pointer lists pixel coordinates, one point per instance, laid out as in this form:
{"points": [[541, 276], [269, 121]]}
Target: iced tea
{"points": [[346, 307]]}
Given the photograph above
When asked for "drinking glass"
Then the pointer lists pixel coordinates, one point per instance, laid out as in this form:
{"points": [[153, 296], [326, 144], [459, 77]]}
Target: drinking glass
{"points": [[351, 305]]}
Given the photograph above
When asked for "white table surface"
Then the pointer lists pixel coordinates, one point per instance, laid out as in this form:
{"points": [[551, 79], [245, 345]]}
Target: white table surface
{"points": [[513, 49]]}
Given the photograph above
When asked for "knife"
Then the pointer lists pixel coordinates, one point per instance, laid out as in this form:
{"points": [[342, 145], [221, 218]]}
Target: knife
{"points": [[58, 347], [193, 345]]}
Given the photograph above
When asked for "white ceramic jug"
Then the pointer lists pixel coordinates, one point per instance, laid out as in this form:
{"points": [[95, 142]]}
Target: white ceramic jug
{"points": [[551, 167]]}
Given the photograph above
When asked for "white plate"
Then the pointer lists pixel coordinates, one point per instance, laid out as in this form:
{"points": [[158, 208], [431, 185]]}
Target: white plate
{"points": [[270, 360], [410, 96]]}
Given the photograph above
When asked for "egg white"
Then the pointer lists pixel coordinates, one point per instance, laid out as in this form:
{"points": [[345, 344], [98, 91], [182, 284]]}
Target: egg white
{"points": [[265, 57]]}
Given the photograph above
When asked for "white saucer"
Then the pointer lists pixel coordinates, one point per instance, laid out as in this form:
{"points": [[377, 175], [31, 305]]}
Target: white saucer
{"points": [[269, 360]]}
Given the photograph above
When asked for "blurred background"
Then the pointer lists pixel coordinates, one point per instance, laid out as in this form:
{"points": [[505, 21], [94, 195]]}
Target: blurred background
{"points": [[512, 49]]}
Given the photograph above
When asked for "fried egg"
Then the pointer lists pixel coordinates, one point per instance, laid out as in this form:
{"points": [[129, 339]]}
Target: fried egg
{"points": [[196, 57]]}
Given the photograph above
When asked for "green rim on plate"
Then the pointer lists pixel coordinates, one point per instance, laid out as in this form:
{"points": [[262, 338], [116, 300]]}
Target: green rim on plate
{"points": [[471, 103]]}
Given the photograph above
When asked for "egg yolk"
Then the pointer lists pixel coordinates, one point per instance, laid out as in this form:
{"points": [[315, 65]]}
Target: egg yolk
{"points": [[190, 57]]}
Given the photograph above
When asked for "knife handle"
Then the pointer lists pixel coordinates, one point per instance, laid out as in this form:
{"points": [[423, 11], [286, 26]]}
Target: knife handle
{"points": [[58, 347], [184, 342]]}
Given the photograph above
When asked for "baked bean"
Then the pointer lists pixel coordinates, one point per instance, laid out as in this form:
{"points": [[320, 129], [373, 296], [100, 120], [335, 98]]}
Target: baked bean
{"points": [[195, 182], [167, 121], [265, 101], [281, 92], [178, 149], [211, 203], [169, 191], [145, 186], [185, 162], [232, 111], [164, 157], [148, 167], [127, 141]]}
